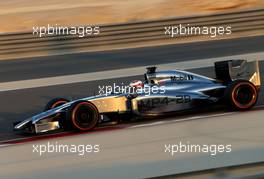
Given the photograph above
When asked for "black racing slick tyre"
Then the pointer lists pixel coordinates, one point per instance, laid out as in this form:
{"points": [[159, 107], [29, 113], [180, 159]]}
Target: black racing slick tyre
{"points": [[55, 103], [241, 95], [83, 115]]}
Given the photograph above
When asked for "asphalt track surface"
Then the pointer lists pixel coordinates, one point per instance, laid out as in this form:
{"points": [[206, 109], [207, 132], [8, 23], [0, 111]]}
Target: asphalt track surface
{"points": [[20, 104], [139, 152]]}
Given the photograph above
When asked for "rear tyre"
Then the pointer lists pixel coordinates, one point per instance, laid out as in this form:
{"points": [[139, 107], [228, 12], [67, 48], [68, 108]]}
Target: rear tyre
{"points": [[55, 103], [241, 95], [83, 115]]}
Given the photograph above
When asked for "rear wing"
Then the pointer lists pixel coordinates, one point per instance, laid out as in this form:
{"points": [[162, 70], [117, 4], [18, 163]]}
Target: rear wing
{"points": [[231, 70]]}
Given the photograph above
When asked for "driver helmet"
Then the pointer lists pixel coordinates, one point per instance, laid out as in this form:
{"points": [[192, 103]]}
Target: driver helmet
{"points": [[137, 84]]}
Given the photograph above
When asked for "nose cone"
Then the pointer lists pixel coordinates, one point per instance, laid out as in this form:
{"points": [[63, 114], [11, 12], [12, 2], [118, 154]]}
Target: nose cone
{"points": [[20, 125]]}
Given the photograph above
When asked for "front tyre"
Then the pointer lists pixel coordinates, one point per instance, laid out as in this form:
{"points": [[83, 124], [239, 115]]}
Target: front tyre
{"points": [[55, 103], [241, 95], [83, 115]]}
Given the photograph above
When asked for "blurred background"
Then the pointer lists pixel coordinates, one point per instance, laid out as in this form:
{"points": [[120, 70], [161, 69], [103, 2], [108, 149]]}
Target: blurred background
{"points": [[34, 70], [22, 15]]}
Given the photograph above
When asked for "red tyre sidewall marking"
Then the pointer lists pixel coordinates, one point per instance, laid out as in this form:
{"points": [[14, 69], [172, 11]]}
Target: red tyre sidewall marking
{"points": [[58, 102], [253, 97]]}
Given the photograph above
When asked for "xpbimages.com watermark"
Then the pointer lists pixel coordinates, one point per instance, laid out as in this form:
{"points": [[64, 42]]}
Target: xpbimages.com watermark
{"points": [[80, 149], [185, 30], [80, 31], [128, 89], [212, 149]]}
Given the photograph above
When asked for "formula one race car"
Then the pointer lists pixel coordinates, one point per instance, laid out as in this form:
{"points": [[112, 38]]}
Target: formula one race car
{"points": [[236, 86]]}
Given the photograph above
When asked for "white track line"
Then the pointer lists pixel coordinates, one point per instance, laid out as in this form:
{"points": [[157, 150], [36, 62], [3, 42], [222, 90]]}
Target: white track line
{"points": [[125, 72], [134, 126], [182, 120], [190, 118], [5, 145], [31, 137], [141, 125]]}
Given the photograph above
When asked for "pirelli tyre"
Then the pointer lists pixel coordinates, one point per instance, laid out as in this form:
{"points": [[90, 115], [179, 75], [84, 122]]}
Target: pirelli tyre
{"points": [[83, 115], [55, 103], [241, 95]]}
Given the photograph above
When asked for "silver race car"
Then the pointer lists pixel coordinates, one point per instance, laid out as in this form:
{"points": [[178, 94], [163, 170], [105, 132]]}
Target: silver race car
{"points": [[236, 86]]}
